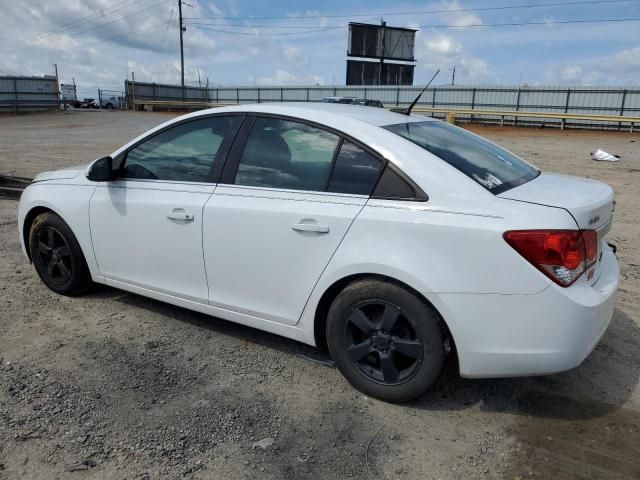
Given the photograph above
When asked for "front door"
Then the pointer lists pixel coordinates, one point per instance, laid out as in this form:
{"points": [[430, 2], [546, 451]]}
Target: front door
{"points": [[146, 226]]}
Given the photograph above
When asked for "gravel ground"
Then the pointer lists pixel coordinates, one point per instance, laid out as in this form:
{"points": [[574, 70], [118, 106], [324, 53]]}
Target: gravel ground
{"points": [[114, 385]]}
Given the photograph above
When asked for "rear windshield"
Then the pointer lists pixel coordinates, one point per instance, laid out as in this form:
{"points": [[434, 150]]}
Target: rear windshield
{"points": [[492, 167]]}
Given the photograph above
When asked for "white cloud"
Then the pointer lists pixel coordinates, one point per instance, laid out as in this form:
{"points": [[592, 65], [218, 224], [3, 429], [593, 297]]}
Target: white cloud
{"points": [[622, 68], [628, 60], [571, 73], [280, 77], [443, 45], [457, 18], [295, 56], [437, 50]]}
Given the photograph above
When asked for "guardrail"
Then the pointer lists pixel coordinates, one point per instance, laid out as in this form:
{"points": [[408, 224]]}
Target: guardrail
{"points": [[502, 114], [563, 117], [180, 104]]}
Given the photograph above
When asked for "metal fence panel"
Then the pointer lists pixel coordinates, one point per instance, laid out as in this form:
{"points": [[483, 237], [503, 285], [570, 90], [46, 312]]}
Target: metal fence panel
{"points": [[583, 100], [23, 94]]}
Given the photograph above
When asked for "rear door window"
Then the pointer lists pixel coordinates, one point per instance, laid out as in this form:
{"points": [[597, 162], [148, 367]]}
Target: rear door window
{"points": [[494, 168], [287, 155]]}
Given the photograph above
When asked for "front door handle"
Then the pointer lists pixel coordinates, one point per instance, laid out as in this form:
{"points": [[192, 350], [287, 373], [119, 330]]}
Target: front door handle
{"points": [[180, 214], [310, 227]]}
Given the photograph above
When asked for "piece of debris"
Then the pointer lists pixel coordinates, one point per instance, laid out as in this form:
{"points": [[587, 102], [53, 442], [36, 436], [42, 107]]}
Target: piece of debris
{"points": [[304, 457], [602, 156], [366, 456], [264, 443], [85, 465]]}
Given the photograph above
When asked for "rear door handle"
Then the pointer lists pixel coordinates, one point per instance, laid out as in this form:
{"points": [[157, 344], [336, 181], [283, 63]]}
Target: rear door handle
{"points": [[310, 227], [180, 214]]}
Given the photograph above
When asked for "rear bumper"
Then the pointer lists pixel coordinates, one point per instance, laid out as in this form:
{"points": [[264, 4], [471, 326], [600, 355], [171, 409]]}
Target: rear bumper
{"points": [[519, 335]]}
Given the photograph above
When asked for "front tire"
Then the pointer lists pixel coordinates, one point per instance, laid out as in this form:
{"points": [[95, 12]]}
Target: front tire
{"points": [[57, 256], [385, 340]]}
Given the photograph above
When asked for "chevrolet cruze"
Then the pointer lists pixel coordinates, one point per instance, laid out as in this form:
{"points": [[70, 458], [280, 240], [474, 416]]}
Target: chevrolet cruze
{"points": [[393, 240]]}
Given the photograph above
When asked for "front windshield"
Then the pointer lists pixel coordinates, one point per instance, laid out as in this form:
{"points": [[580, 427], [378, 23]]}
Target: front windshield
{"points": [[491, 166]]}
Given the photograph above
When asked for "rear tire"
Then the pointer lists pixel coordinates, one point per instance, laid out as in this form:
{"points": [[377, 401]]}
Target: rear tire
{"points": [[385, 340], [57, 256]]}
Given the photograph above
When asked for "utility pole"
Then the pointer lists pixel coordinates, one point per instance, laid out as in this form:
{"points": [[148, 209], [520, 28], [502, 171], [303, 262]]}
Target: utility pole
{"points": [[133, 91], [182, 29], [383, 24], [453, 76], [55, 67]]}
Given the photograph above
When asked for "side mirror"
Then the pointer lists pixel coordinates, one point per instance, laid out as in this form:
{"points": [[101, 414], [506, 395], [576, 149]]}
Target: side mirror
{"points": [[101, 170]]}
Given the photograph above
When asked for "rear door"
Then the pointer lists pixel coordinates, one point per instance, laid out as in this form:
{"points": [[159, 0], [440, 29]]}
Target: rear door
{"points": [[146, 226], [289, 193]]}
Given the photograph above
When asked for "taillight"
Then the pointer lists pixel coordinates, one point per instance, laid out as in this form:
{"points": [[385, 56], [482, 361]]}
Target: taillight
{"points": [[562, 255], [590, 238]]}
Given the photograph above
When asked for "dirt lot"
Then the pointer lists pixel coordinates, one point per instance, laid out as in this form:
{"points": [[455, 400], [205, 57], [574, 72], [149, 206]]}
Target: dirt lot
{"points": [[113, 385]]}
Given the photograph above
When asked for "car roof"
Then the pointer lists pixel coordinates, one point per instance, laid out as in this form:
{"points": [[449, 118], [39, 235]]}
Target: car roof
{"points": [[309, 111]]}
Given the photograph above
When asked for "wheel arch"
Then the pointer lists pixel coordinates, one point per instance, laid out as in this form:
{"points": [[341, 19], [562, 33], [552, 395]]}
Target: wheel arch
{"points": [[31, 215], [329, 295], [28, 221]]}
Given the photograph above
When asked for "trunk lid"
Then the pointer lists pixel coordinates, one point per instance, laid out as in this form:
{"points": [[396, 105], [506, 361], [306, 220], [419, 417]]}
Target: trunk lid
{"points": [[588, 201]]}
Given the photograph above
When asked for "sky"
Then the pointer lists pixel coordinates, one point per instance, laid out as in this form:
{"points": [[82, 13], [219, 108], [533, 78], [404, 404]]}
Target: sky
{"points": [[300, 42]]}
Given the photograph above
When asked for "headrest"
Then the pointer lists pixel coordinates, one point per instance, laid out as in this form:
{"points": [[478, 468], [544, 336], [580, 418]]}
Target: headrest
{"points": [[267, 149]]}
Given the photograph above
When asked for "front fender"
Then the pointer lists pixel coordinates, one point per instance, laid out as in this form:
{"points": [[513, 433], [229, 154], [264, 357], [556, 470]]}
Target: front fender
{"points": [[69, 202]]}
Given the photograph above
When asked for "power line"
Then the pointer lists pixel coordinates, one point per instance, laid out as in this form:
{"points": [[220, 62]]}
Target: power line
{"points": [[137, 12], [420, 12], [488, 25], [549, 22], [78, 22], [101, 41], [225, 25], [164, 36], [73, 34], [314, 30]]}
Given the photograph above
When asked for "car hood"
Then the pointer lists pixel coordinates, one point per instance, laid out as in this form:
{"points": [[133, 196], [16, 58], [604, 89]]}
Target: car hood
{"points": [[590, 202], [63, 174]]}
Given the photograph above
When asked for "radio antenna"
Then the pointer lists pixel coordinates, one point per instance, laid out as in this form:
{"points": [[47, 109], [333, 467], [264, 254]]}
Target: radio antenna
{"points": [[407, 111]]}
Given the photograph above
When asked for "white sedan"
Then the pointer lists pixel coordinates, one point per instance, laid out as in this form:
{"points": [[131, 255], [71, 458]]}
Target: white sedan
{"points": [[394, 240]]}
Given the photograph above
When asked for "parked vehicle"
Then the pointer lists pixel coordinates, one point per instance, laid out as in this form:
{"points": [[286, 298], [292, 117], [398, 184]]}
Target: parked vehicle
{"points": [[89, 103], [73, 103], [338, 99], [111, 102], [354, 101], [394, 240], [368, 103]]}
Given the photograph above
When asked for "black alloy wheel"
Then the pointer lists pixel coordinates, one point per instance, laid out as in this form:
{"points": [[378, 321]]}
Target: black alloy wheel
{"points": [[54, 253], [57, 256], [382, 342], [385, 339]]}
